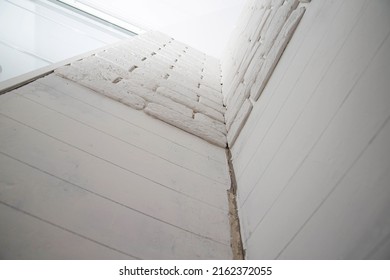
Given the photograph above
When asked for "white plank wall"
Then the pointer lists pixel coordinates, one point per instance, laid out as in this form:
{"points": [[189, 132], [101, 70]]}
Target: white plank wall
{"points": [[313, 159], [84, 176]]}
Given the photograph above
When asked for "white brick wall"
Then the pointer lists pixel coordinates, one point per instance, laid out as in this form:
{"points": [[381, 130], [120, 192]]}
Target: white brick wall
{"points": [[261, 37], [156, 81]]}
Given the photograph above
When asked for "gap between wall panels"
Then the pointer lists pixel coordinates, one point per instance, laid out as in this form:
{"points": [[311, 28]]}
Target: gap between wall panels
{"points": [[235, 228]]}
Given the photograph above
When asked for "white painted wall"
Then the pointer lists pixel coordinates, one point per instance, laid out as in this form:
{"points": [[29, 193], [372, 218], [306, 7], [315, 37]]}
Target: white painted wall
{"points": [[84, 176], [203, 24], [313, 160]]}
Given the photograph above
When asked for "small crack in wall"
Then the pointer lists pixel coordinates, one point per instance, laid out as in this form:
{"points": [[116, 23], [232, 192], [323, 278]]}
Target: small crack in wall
{"points": [[235, 231]]}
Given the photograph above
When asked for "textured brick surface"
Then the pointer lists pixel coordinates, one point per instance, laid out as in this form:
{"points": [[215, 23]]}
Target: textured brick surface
{"points": [[239, 122], [261, 37], [171, 80], [210, 122], [199, 128], [209, 103], [277, 50], [185, 83]]}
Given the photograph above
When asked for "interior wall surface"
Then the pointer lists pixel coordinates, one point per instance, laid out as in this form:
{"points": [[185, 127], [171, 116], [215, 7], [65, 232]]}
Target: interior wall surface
{"points": [[85, 177], [91, 167], [313, 159]]}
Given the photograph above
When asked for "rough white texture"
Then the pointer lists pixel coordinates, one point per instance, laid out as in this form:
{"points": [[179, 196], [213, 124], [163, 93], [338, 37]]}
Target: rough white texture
{"points": [[98, 68], [178, 97], [169, 73], [77, 74], [152, 96], [195, 72], [211, 71], [198, 128], [180, 89], [143, 81], [239, 122], [210, 122], [182, 80], [264, 31], [277, 23], [216, 87], [231, 114], [212, 91], [103, 86], [252, 72], [121, 59], [274, 6], [156, 69], [209, 93], [263, 19], [151, 68], [212, 81], [275, 53], [232, 89], [212, 104], [195, 106], [189, 75]]}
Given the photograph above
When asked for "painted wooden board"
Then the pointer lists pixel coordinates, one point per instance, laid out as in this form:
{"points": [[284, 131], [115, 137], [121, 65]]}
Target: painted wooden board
{"points": [[359, 230], [344, 126], [139, 122], [29, 237], [96, 218]]}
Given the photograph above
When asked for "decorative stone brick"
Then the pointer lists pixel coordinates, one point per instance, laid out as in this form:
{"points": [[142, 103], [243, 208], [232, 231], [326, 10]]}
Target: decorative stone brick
{"points": [[239, 99], [239, 122], [276, 52], [211, 122], [101, 86], [126, 61], [211, 94], [177, 96], [183, 80], [277, 23], [194, 105], [207, 102], [188, 124], [95, 68], [181, 85], [152, 96]]}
